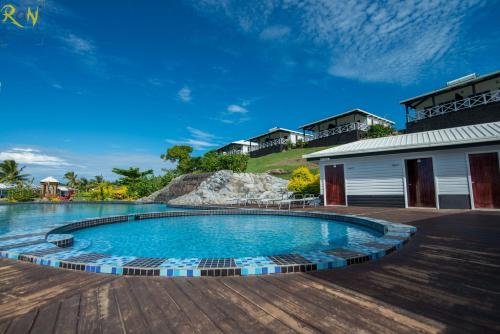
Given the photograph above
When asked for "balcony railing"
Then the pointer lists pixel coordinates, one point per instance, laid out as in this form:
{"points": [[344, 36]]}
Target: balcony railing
{"points": [[233, 152], [274, 142], [339, 129], [466, 103]]}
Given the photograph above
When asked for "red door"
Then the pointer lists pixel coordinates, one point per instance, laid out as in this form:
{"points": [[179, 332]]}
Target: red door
{"points": [[420, 183], [485, 178], [335, 186]]}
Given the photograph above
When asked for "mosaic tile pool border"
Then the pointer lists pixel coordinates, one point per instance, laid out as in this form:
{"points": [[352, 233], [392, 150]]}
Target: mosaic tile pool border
{"points": [[50, 248]]}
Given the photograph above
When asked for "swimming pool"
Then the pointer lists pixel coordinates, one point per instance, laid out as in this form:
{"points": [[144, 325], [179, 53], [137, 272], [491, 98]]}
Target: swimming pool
{"points": [[221, 236], [32, 217], [156, 240]]}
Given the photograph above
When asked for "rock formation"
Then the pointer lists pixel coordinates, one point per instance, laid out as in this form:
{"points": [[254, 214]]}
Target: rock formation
{"points": [[219, 187]]}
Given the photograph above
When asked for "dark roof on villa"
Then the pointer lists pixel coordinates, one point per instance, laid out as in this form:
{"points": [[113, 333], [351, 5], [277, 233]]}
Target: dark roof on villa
{"points": [[449, 88], [357, 110]]}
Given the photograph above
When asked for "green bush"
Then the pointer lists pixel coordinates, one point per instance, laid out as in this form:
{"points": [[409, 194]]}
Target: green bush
{"points": [[22, 193], [146, 186], [303, 181], [379, 130], [235, 162]]}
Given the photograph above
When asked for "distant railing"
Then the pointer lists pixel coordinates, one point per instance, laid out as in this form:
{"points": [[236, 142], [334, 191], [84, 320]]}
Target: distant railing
{"points": [[339, 129], [466, 103], [274, 142], [234, 152]]}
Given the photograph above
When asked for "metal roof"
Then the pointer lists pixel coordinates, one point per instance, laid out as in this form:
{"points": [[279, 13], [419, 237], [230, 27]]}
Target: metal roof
{"points": [[361, 111], [469, 134], [276, 129], [453, 87]]}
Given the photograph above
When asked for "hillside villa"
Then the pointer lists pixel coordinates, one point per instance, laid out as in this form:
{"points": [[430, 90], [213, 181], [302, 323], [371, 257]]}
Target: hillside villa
{"points": [[342, 128], [236, 147], [275, 140], [471, 99]]}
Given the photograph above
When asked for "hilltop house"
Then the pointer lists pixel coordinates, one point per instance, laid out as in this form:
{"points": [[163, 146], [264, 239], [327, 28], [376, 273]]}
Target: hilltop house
{"points": [[452, 168], [468, 100], [275, 140], [236, 147], [342, 128]]}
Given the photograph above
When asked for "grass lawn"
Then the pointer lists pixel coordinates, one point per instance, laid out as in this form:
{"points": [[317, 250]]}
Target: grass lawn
{"points": [[288, 160]]}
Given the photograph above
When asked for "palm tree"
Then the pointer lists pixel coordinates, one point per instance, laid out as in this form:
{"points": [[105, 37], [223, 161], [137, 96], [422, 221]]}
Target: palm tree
{"points": [[72, 179], [10, 172], [83, 184], [131, 175], [98, 179]]}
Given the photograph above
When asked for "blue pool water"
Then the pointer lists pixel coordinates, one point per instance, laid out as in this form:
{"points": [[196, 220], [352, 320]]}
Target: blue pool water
{"points": [[27, 218], [220, 236]]}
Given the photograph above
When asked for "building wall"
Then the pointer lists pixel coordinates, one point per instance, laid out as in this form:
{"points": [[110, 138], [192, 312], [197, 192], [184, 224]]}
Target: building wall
{"points": [[380, 180], [480, 114]]}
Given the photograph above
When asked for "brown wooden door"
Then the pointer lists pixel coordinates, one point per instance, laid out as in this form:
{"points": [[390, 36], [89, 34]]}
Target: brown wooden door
{"points": [[485, 178], [335, 185], [420, 183]]}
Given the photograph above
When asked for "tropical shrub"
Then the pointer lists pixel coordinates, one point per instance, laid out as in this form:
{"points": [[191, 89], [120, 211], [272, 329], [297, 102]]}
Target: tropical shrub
{"points": [[210, 162], [303, 181], [235, 162], [22, 193], [379, 130], [105, 192], [148, 185], [181, 154]]}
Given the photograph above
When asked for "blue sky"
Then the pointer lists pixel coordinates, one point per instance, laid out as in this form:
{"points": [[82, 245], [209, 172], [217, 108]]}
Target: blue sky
{"points": [[102, 84]]}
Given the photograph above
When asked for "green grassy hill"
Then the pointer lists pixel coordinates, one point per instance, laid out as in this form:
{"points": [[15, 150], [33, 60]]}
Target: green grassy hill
{"points": [[288, 160]]}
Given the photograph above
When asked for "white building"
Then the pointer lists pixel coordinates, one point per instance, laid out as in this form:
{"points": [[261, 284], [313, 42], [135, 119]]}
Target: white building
{"points": [[447, 168], [342, 128], [236, 147], [275, 140]]}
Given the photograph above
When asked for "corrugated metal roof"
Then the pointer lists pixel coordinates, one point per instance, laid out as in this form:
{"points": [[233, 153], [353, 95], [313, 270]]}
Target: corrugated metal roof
{"points": [[469, 134]]}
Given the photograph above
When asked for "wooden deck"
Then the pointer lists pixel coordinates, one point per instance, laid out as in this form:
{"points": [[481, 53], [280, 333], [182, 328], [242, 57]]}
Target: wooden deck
{"points": [[445, 280]]}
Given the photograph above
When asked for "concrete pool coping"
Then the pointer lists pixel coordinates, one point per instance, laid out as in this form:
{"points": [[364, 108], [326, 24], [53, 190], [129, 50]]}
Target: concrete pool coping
{"points": [[49, 248]]}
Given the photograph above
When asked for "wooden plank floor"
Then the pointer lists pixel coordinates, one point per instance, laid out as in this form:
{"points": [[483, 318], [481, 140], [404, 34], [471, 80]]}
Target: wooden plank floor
{"points": [[445, 280]]}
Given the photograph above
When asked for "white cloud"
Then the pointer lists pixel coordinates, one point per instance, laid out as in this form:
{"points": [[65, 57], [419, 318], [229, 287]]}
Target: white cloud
{"points": [[30, 156], [78, 44], [234, 108], [379, 41], [185, 94], [198, 139], [84, 49], [197, 133], [274, 32], [57, 86]]}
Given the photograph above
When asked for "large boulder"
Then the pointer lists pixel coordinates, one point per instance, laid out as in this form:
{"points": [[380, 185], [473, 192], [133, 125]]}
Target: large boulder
{"points": [[222, 186], [179, 186]]}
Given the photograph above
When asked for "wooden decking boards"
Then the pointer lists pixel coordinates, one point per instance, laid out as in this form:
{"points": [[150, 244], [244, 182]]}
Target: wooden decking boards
{"points": [[444, 280]]}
